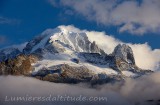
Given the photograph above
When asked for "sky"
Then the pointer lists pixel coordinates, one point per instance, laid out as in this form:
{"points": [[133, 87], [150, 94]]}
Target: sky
{"points": [[134, 21]]}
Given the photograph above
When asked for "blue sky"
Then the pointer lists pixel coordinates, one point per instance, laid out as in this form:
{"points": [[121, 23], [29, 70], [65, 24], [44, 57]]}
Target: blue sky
{"points": [[21, 20]]}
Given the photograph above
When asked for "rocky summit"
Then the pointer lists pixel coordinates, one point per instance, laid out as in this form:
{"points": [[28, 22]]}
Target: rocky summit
{"points": [[69, 56], [123, 58]]}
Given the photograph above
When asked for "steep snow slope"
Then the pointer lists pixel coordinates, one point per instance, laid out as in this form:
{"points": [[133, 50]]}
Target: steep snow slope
{"points": [[62, 40]]}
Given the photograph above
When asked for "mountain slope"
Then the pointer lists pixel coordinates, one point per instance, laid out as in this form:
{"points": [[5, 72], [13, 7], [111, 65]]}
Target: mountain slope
{"points": [[72, 54]]}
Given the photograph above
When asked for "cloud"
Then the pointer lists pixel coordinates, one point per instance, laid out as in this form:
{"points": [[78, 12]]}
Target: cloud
{"points": [[145, 56], [130, 16], [130, 92], [22, 86], [5, 20], [54, 3], [144, 88], [137, 18]]}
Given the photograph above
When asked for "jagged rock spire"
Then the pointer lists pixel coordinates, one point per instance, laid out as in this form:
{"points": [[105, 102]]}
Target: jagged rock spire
{"points": [[122, 59], [125, 53]]}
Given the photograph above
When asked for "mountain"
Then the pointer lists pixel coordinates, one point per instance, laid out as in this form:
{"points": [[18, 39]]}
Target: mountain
{"points": [[61, 40], [11, 51], [65, 55], [8, 53]]}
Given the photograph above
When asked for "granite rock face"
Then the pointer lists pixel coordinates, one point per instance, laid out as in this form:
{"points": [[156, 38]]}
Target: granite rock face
{"points": [[21, 65], [124, 53], [65, 73], [122, 59]]}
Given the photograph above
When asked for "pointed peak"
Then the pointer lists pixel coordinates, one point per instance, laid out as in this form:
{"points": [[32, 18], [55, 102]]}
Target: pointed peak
{"points": [[122, 46], [124, 52], [62, 39]]}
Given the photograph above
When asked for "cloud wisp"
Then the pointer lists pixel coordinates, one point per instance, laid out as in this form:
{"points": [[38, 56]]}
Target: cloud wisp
{"points": [[129, 15]]}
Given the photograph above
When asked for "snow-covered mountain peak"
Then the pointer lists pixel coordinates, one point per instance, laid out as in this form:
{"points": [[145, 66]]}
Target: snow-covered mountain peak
{"points": [[77, 54], [61, 29], [62, 39]]}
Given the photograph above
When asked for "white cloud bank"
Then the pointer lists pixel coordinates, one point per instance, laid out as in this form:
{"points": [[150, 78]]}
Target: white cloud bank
{"points": [[23, 86], [130, 15], [130, 93], [145, 57]]}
